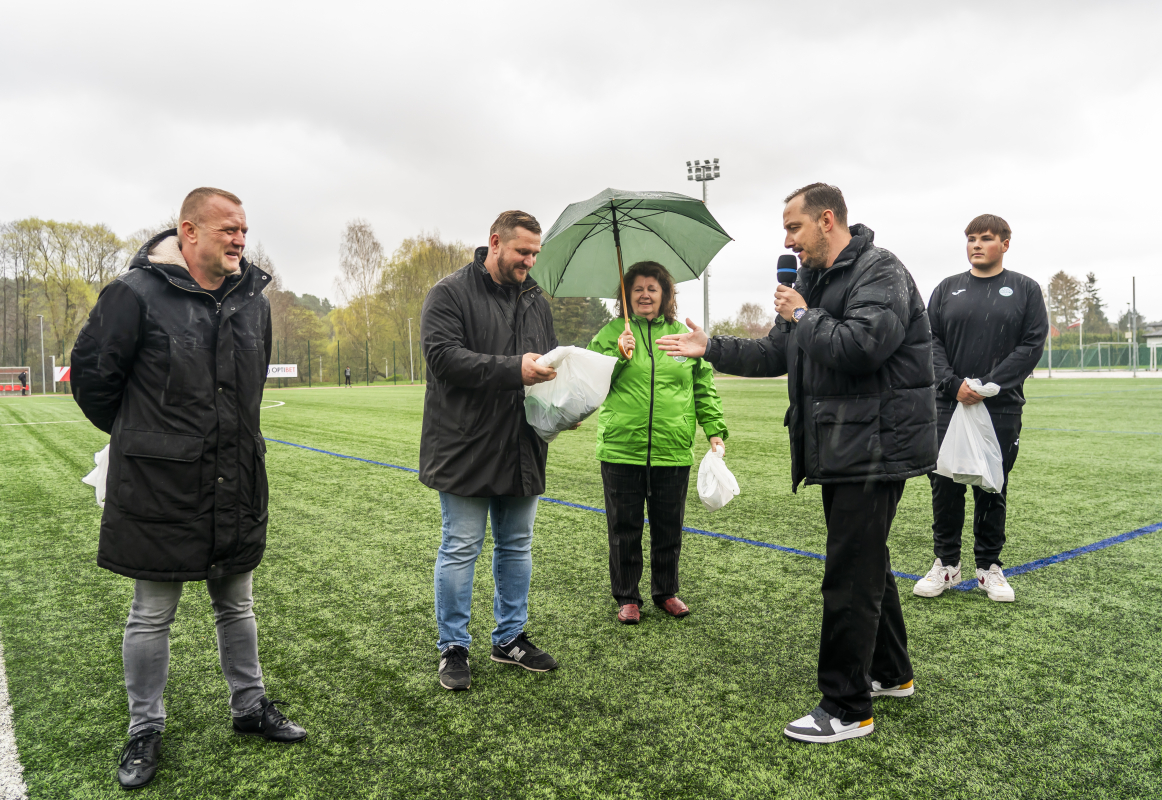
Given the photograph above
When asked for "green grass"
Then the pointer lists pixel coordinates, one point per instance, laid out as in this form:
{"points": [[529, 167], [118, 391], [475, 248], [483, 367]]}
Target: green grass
{"points": [[1053, 696]]}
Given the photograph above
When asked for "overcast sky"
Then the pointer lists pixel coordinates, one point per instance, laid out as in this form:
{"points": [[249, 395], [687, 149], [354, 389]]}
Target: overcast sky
{"points": [[437, 116]]}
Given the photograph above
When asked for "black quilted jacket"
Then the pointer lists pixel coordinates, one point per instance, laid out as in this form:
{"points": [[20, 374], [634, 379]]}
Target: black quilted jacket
{"points": [[859, 369]]}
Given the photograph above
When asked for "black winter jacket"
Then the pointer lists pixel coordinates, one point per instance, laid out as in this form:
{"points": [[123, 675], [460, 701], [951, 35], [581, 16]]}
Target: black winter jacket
{"points": [[475, 441], [177, 382], [859, 369]]}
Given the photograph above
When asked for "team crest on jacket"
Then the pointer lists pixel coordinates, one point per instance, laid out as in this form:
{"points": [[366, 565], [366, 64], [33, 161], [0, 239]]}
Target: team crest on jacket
{"points": [[1006, 291], [679, 359]]}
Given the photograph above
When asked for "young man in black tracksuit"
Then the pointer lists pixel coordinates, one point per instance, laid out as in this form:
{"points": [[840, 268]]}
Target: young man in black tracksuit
{"points": [[990, 324]]}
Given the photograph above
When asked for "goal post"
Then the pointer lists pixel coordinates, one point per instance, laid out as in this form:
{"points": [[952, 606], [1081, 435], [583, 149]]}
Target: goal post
{"points": [[11, 384]]}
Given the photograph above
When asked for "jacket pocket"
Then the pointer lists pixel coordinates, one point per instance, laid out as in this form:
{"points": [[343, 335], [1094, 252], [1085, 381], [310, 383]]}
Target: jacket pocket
{"points": [[847, 436], [191, 374], [261, 496], [160, 474]]}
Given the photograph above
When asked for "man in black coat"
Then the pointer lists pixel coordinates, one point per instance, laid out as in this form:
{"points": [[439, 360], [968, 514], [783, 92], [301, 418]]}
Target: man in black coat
{"points": [[990, 324], [171, 363], [854, 342], [482, 329]]}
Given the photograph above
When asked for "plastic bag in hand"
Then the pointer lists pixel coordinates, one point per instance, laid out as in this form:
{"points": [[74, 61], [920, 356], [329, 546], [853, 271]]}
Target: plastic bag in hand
{"points": [[97, 478], [579, 389], [971, 453], [716, 484]]}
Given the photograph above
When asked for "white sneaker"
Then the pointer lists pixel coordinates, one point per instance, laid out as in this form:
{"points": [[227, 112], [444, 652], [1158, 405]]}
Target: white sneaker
{"points": [[937, 580], [903, 690], [993, 581], [822, 728]]}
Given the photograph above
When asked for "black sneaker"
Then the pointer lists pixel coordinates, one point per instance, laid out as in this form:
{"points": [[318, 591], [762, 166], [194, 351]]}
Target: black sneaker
{"points": [[523, 653], [454, 672], [139, 759], [269, 723]]}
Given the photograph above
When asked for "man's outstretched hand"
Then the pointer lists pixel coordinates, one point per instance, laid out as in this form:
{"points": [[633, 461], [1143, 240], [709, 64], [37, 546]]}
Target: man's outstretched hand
{"points": [[532, 373], [691, 345]]}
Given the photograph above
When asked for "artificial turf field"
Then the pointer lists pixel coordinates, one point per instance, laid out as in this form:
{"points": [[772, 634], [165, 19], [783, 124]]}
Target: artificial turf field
{"points": [[1053, 696]]}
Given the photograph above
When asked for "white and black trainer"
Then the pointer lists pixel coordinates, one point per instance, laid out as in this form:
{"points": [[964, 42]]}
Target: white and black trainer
{"points": [[454, 672], [822, 728], [523, 653], [937, 580], [993, 581], [902, 690]]}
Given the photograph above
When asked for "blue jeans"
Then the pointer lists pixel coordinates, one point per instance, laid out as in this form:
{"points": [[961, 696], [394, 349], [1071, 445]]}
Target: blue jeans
{"points": [[462, 540]]}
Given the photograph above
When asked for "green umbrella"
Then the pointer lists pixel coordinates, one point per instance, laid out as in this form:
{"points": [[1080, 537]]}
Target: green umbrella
{"points": [[579, 253]]}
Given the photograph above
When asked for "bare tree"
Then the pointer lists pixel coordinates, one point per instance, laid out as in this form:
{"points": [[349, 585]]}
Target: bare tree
{"points": [[1065, 295], [360, 269], [754, 320]]}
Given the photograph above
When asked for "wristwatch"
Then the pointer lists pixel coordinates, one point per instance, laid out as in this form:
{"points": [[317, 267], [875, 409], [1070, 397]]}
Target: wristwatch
{"points": [[798, 313]]}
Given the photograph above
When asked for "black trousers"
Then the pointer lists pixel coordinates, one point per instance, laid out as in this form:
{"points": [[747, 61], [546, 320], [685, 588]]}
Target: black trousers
{"points": [[625, 499], [863, 637], [348, 380], [989, 509]]}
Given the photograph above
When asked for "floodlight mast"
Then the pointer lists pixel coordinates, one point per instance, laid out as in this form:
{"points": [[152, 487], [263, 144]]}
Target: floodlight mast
{"points": [[704, 172]]}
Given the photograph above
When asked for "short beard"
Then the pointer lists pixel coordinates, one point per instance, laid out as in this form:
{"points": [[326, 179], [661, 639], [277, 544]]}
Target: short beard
{"points": [[814, 256], [507, 271]]}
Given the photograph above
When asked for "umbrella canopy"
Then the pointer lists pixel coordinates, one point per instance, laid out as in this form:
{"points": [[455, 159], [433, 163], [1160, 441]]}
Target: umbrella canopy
{"points": [[581, 254]]}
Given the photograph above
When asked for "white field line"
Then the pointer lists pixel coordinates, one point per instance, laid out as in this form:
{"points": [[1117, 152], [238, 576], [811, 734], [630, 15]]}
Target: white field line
{"points": [[11, 783], [277, 403], [57, 422]]}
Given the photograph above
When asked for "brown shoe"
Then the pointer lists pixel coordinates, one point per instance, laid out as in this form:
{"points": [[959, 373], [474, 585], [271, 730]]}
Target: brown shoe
{"points": [[674, 607], [629, 614]]}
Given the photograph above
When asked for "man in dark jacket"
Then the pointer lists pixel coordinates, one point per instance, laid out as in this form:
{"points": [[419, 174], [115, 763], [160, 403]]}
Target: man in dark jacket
{"points": [[990, 324], [855, 345], [482, 329], [171, 363], [23, 382]]}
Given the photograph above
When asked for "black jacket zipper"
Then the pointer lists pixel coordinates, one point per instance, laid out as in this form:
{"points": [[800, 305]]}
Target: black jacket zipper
{"points": [[650, 428]]}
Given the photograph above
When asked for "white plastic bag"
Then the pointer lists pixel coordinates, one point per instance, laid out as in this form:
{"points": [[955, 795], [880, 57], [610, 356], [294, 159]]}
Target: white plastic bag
{"points": [[97, 477], [716, 484], [579, 389], [971, 453]]}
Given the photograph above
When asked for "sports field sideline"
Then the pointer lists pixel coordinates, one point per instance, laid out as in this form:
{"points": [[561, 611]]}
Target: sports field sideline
{"points": [[1052, 696]]}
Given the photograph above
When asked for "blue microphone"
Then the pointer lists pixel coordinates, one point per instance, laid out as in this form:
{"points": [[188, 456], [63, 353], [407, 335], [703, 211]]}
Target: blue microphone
{"points": [[788, 270]]}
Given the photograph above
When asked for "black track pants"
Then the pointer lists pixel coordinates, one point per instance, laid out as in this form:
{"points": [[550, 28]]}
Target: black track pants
{"points": [[988, 518], [863, 637], [625, 499]]}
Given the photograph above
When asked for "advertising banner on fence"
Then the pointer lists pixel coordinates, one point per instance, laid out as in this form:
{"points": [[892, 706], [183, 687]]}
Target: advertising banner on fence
{"points": [[283, 371], [61, 374]]}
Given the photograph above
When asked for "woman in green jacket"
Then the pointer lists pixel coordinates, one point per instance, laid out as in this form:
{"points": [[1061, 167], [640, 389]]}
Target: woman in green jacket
{"points": [[645, 432]]}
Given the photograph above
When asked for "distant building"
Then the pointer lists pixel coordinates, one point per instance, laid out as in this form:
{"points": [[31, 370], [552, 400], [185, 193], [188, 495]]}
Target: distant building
{"points": [[1153, 337]]}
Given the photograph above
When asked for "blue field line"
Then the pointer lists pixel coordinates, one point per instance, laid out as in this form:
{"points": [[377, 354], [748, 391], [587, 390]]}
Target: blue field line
{"points": [[1083, 430], [340, 455], [963, 586]]}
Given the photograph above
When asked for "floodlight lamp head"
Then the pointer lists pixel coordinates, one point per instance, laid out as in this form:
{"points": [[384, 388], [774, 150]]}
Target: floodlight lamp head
{"points": [[716, 161], [697, 162], [687, 163]]}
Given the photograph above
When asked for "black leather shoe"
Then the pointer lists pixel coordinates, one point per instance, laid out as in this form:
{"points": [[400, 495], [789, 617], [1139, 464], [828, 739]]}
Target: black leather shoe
{"points": [[269, 723], [139, 759]]}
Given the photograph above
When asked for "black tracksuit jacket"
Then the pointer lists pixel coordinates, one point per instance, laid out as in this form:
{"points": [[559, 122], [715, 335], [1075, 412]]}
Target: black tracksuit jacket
{"points": [[992, 329], [475, 441], [177, 383], [859, 370]]}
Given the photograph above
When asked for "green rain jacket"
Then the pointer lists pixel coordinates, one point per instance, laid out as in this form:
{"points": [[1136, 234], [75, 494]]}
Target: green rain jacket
{"points": [[654, 400]]}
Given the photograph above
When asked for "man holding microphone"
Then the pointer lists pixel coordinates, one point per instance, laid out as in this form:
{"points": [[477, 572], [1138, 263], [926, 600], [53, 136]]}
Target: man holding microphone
{"points": [[854, 341]]}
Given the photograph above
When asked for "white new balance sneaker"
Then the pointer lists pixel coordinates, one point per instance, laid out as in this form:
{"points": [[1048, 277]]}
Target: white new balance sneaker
{"points": [[993, 581], [903, 690], [822, 728], [937, 580]]}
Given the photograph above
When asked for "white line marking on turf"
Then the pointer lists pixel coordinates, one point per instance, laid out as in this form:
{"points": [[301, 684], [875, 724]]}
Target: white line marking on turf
{"points": [[57, 422], [277, 403], [11, 783]]}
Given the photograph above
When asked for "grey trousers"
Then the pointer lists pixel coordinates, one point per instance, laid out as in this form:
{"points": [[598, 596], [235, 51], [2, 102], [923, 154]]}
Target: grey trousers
{"points": [[145, 650]]}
